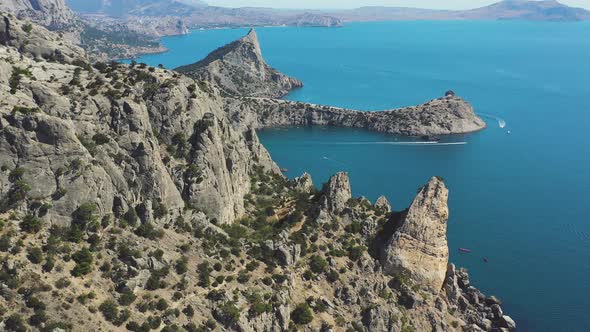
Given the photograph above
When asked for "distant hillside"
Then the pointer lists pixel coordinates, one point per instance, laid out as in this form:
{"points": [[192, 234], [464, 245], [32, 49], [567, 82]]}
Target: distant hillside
{"points": [[136, 7], [509, 9], [549, 10]]}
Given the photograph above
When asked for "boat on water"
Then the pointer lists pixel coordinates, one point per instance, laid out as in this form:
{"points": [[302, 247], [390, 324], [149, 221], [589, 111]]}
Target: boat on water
{"points": [[284, 170], [465, 250], [430, 138]]}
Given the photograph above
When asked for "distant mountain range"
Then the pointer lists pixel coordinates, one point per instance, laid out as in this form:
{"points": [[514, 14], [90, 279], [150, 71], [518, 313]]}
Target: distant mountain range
{"points": [[136, 7], [199, 14], [549, 10], [111, 29]]}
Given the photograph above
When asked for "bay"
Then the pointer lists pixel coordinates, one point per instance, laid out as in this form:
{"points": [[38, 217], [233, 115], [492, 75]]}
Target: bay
{"points": [[522, 200]]}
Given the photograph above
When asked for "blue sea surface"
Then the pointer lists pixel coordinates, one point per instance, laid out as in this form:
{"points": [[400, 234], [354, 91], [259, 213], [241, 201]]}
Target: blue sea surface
{"points": [[521, 199]]}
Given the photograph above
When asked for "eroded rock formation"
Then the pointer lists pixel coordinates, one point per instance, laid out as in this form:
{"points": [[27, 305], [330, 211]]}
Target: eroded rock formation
{"points": [[240, 70], [129, 191], [419, 247]]}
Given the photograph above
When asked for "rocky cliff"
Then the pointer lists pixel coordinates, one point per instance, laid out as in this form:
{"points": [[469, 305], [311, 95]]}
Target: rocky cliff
{"points": [[129, 201], [131, 109], [419, 245], [239, 69], [54, 14], [37, 42], [441, 116]]}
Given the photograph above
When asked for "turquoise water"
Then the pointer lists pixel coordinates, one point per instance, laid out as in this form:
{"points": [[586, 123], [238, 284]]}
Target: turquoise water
{"points": [[522, 199]]}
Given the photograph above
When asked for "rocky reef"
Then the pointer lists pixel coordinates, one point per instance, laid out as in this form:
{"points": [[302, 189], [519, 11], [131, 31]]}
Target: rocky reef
{"points": [[239, 69], [133, 198]]}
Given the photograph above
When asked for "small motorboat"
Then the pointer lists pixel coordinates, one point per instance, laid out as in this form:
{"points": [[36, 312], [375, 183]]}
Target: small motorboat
{"points": [[485, 259], [465, 250], [284, 170], [430, 138]]}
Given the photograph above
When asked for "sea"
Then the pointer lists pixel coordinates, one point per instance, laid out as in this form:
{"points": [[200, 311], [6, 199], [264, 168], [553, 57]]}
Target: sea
{"points": [[519, 190]]}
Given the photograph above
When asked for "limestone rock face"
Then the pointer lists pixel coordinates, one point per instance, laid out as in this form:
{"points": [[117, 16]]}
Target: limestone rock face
{"points": [[337, 192], [240, 70], [304, 183], [54, 14], [442, 116], [38, 42], [198, 159], [382, 204], [418, 247]]}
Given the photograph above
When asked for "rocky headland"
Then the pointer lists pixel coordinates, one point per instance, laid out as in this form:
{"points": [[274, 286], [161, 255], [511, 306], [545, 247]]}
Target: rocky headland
{"points": [[251, 87], [442, 116], [239, 69], [133, 199]]}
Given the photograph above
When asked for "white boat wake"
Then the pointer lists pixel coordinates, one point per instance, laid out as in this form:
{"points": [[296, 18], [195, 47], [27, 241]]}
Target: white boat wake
{"points": [[501, 122], [397, 143]]}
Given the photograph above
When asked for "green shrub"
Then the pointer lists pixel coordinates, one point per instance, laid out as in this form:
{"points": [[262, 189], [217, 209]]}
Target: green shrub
{"points": [[100, 139], [148, 231], [28, 27], [15, 323], [127, 298], [162, 305], [317, 264], [84, 215], [62, 283], [189, 311], [181, 265], [109, 310], [228, 313], [204, 274], [31, 224], [302, 314], [355, 252], [16, 174], [83, 259], [35, 255], [131, 217]]}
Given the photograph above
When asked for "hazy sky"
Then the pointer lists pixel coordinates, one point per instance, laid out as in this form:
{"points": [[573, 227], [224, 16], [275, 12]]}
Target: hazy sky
{"points": [[438, 4]]}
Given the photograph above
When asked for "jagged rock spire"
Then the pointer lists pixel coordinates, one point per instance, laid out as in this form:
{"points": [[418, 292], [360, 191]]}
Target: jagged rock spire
{"points": [[238, 68], [337, 192], [419, 247]]}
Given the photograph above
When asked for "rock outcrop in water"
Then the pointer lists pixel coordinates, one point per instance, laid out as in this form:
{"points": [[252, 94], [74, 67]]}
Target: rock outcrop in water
{"points": [[239, 69], [130, 201]]}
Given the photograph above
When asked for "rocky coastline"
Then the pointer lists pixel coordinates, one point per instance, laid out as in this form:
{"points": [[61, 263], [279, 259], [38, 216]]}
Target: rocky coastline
{"points": [[136, 198]]}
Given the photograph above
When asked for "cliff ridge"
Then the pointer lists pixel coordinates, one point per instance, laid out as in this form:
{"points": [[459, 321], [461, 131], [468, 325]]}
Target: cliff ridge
{"points": [[239, 69]]}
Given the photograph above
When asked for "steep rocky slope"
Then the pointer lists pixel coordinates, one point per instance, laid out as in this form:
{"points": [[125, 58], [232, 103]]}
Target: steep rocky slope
{"points": [[54, 14], [239, 69], [134, 111], [129, 201]]}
